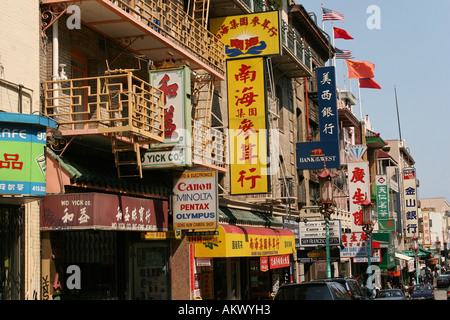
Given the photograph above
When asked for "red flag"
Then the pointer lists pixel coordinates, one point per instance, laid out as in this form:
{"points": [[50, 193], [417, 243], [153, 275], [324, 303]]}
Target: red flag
{"points": [[360, 69], [341, 34], [368, 83]]}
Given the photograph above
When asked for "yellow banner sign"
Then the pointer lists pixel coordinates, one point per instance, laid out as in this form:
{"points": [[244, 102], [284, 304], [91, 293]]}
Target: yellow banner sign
{"points": [[249, 35], [236, 241], [247, 126]]}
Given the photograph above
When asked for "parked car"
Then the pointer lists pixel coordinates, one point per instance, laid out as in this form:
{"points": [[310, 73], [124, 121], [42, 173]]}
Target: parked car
{"points": [[443, 281], [422, 291], [390, 294], [313, 290], [448, 293], [352, 286]]}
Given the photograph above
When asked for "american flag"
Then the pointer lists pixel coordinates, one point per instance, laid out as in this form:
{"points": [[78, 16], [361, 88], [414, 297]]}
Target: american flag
{"points": [[328, 15], [343, 54]]}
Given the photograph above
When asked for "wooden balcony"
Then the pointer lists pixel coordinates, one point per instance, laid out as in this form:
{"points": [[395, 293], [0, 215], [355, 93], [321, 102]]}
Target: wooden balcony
{"points": [[152, 28], [115, 103]]}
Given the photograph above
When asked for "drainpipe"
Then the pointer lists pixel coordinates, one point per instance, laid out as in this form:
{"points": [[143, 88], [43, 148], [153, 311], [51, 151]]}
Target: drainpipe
{"points": [[55, 62]]}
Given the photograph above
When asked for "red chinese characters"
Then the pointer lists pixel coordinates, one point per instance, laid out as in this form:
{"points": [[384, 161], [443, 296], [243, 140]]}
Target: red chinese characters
{"points": [[11, 162], [170, 90]]}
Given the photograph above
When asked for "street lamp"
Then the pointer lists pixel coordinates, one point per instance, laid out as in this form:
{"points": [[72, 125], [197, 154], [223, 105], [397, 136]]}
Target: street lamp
{"points": [[445, 255], [367, 227], [415, 239], [327, 202], [438, 250]]}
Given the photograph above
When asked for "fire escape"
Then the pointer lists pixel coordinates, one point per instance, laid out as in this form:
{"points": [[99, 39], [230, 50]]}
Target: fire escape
{"points": [[123, 107]]}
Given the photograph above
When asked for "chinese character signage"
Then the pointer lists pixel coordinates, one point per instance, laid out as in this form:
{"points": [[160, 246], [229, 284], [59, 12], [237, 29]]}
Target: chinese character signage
{"points": [[195, 201], [176, 85], [327, 103], [354, 245], [313, 155], [248, 144], [234, 241], [249, 35], [426, 228], [382, 197], [358, 185], [410, 202], [78, 211], [22, 159]]}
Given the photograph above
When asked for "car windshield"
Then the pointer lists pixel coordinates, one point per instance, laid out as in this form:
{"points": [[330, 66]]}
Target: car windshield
{"points": [[390, 293], [423, 287], [305, 292]]}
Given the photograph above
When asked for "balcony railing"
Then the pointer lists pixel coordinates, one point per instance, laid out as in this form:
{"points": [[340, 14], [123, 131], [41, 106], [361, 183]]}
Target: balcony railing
{"points": [[106, 104], [293, 41], [167, 18], [209, 146]]}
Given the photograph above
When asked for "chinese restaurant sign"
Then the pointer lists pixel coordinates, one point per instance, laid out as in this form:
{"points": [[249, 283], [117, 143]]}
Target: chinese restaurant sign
{"points": [[248, 142], [176, 150], [410, 202], [195, 201], [358, 185], [354, 245], [313, 155], [249, 35], [22, 159], [102, 211]]}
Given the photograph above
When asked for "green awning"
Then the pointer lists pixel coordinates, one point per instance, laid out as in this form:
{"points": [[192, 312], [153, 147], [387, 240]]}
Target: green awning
{"points": [[423, 253], [98, 173], [246, 217]]}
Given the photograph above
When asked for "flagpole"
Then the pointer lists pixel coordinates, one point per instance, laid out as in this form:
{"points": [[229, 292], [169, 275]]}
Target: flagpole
{"points": [[360, 107], [332, 34], [323, 25]]}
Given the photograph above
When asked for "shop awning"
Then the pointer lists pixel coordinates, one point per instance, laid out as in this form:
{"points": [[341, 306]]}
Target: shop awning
{"points": [[251, 218], [402, 257], [240, 241]]}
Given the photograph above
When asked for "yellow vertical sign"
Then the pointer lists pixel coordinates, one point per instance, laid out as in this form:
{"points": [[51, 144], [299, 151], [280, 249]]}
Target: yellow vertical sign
{"points": [[247, 126]]}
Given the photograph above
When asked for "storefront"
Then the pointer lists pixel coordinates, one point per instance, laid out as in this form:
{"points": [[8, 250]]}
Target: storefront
{"points": [[23, 139], [241, 262], [100, 236]]}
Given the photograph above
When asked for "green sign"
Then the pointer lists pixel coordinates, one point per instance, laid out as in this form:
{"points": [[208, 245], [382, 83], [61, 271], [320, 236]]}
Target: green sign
{"points": [[22, 159], [382, 197]]}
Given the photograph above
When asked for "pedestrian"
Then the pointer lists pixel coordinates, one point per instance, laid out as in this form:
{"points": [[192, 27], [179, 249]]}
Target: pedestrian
{"points": [[388, 285]]}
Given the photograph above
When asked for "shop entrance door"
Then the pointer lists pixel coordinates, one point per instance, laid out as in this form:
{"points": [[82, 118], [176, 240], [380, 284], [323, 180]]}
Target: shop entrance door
{"points": [[151, 272]]}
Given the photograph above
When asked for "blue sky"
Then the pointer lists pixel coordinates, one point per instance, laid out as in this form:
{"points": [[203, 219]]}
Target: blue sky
{"points": [[410, 51]]}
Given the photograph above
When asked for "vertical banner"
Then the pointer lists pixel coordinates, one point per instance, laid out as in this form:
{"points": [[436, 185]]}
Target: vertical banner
{"points": [[410, 202], [382, 197], [248, 144], [327, 102], [426, 228], [358, 184]]}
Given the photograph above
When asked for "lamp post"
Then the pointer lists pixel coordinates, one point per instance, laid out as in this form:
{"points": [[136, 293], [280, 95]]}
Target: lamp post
{"points": [[326, 200], [438, 250], [445, 255], [415, 239], [367, 227]]}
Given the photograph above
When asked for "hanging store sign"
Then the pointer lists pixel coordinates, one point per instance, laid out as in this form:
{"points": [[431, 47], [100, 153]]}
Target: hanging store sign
{"points": [[313, 155], [78, 211], [195, 200], [382, 197], [237, 241], [282, 261], [358, 185], [249, 35], [410, 202], [22, 159], [355, 245], [248, 143], [313, 233], [176, 150], [386, 225], [426, 228]]}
